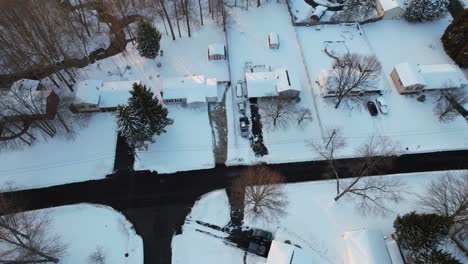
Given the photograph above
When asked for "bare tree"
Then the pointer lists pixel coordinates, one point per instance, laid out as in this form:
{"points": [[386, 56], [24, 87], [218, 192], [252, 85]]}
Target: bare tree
{"points": [[356, 11], [377, 155], [261, 189], [302, 114], [447, 196], [25, 237], [351, 74], [333, 142], [449, 103], [97, 257], [277, 111]]}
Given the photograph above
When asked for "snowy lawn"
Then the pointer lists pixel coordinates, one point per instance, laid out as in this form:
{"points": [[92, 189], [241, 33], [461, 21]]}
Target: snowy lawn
{"points": [[313, 221], [409, 122], [248, 29], [187, 145], [85, 227], [89, 156]]}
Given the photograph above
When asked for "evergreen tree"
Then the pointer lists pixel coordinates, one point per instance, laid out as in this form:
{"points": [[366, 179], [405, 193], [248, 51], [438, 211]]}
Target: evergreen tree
{"points": [[421, 234], [437, 257], [143, 118], [455, 39], [425, 10], [148, 39]]}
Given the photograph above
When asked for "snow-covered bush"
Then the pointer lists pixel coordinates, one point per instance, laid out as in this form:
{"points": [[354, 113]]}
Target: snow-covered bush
{"points": [[425, 10]]}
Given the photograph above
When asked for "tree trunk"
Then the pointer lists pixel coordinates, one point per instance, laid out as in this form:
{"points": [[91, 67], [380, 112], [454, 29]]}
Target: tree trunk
{"points": [[187, 16], [177, 18], [167, 19], [201, 13]]}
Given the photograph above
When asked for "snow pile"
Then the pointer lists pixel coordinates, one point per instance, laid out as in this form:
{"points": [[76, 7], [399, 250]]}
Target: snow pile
{"points": [[85, 227]]}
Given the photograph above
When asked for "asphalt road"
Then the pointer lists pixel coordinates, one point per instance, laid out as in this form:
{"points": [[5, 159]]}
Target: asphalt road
{"points": [[157, 204]]}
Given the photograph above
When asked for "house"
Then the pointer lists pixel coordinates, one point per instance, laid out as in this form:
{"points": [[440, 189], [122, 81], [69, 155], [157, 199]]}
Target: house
{"points": [[409, 78], [366, 246], [99, 96], [269, 83], [192, 89], [282, 253], [273, 40], [392, 9], [326, 80], [216, 51]]}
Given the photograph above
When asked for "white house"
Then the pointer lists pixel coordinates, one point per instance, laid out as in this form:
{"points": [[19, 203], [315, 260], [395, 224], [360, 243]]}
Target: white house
{"points": [[409, 78], [216, 51], [192, 89], [96, 95], [393, 9], [270, 84], [366, 246], [327, 79]]}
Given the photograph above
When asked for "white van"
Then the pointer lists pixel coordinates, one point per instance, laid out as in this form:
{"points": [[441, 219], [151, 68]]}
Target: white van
{"points": [[239, 92]]}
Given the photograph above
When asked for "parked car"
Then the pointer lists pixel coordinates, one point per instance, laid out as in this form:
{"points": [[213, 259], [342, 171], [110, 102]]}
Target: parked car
{"points": [[372, 109], [261, 235], [257, 249], [244, 128], [241, 107], [382, 105], [239, 91]]}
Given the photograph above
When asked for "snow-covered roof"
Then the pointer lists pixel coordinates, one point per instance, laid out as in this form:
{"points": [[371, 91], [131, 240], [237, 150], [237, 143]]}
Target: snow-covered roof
{"points": [[440, 76], [116, 93], [390, 4], [193, 88], [261, 84], [283, 82], [409, 74], [366, 246], [216, 49], [282, 253], [25, 84], [274, 38], [88, 92]]}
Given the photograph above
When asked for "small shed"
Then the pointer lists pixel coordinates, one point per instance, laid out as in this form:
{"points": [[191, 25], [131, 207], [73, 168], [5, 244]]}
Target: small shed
{"points": [[216, 51], [88, 93], [318, 12], [273, 40]]}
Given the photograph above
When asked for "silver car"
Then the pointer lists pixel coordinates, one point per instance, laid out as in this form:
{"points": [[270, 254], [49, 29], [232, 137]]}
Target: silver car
{"points": [[382, 105]]}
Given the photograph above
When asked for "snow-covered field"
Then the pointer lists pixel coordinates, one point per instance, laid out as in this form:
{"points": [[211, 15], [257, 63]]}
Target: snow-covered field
{"points": [[313, 221], [187, 145], [85, 227], [248, 29], [89, 156]]}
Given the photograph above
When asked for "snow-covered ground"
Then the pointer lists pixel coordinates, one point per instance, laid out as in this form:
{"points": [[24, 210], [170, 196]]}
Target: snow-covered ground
{"points": [[85, 227], [187, 145], [409, 122], [88, 156], [313, 221], [248, 29]]}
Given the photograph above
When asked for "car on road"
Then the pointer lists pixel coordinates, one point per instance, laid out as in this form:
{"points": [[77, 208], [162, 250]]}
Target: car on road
{"points": [[239, 92], [257, 248], [382, 105], [244, 126], [372, 108]]}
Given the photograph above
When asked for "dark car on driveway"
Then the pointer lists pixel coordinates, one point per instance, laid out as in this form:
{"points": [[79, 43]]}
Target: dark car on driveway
{"points": [[261, 236], [372, 108], [257, 249]]}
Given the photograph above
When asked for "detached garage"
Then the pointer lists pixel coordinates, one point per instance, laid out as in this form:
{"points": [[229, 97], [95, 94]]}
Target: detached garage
{"points": [[366, 246]]}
